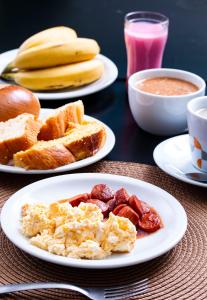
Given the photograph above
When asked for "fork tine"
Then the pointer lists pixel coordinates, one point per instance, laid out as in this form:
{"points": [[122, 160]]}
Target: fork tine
{"points": [[121, 292], [128, 294], [127, 285], [127, 290]]}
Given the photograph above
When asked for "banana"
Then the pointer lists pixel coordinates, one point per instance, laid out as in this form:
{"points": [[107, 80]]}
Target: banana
{"points": [[58, 34], [55, 54], [72, 75]]}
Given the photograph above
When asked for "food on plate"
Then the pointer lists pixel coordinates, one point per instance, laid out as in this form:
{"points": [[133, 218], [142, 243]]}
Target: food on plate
{"points": [[118, 207], [86, 139], [44, 156], [80, 141], [56, 53], [61, 138], [77, 232], [55, 59], [76, 200], [102, 192], [86, 226], [150, 221], [144, 217], [140, 207], [17, 134], [102, 205], [15, 100], [119, 234], [121, 196], [56, 123], [167, 86], [129, 213], [55, 34], [71, 75]]}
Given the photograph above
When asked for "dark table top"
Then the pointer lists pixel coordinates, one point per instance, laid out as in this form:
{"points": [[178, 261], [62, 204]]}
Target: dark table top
{"points": [[103, 20]]}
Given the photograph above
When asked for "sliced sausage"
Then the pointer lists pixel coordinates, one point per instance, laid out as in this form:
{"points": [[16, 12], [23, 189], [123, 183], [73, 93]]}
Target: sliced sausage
{"points": [[76, 200], [118, 208], [129, 213], [111, 203], [139, 206], [102, 192], [150, 222], [121, 196]]}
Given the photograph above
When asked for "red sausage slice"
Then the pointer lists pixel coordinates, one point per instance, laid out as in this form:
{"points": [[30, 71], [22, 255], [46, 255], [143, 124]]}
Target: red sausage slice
{"points": [[102, 192], [139, 206], [76, 200], [150, 222], [129, 213], [111, 203], [121, 196], [118, 208]]}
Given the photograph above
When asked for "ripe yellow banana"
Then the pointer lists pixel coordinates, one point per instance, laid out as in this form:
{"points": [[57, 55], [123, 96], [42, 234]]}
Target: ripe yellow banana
{"points": [[55, 34], [72, 75], [55, 54]]}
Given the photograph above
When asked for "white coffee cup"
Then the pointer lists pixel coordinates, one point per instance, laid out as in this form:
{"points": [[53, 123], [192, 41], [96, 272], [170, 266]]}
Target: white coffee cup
{"points": [[197, 125], [157, 114]]}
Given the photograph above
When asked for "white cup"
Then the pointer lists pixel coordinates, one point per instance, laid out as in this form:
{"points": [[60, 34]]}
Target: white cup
{"points": [[197, 126], [162, 115]]}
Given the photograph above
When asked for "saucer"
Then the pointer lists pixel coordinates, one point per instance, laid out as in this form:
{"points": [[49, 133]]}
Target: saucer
{"points": [[173, 156]]}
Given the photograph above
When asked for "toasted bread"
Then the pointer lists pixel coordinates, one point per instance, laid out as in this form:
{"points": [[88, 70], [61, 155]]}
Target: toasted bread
{"points": [[56, 124], [84, 140], [17, 134], [44, 155], [80, 141]]}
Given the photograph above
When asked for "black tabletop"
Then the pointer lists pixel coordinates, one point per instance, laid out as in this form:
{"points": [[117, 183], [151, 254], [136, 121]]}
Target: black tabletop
{"points": [[103, 20]]}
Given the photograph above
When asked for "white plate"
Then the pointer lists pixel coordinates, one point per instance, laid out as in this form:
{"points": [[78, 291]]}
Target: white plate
{"points": [[108, 146], [60, 187], [174, 158], [109, 76]]}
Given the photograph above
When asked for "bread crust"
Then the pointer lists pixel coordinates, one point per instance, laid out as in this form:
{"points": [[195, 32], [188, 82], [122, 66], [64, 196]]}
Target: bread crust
{"points": [[87, 145], [49, 157], [10, 146], [80, 142], [55, 125]]}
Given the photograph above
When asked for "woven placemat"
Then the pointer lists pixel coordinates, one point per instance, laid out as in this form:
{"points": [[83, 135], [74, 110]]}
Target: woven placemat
{"points": [[179, 274]]}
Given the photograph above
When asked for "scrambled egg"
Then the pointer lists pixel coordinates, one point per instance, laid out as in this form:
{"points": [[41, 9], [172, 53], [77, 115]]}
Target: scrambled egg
{"points": [[77, 232]]}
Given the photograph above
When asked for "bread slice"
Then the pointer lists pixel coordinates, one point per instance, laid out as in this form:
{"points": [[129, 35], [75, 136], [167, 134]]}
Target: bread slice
{"points": [[80, 141], [17, 134], [43, 156], [56, 124], [84, 140]]}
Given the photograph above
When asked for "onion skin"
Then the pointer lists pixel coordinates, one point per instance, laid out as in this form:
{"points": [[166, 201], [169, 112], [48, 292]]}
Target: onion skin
{"points": [[15, 100]]}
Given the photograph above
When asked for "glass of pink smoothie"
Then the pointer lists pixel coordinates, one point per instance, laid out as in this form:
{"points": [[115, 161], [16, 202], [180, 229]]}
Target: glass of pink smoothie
{"points": [[145, 37]]}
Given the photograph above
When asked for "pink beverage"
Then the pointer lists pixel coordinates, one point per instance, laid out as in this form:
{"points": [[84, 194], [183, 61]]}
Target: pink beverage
{"points": [[145, 43]]}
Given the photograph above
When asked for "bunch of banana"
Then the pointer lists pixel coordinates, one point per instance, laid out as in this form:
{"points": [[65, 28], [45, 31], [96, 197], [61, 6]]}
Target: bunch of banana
{"points": [[53, 59], [60, 33]]}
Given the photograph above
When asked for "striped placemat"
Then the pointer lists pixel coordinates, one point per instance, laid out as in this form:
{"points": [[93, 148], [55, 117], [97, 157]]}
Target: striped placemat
{"points": [[179, 274]]}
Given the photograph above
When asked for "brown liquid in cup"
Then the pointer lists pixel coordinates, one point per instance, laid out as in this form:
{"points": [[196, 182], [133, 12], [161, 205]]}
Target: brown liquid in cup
{"points": [[167, 86]]}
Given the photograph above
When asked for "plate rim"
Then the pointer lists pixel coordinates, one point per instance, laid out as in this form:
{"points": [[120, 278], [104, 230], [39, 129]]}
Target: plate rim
{"points": [[89, 264], [69, 167], [67, 94], [159, 148]]}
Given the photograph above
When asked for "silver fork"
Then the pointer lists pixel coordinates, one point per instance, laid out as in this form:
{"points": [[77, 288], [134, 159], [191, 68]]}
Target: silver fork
{"points": [[115, 293]]}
